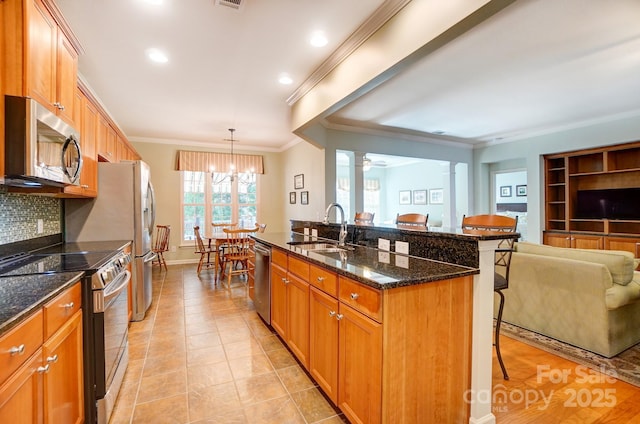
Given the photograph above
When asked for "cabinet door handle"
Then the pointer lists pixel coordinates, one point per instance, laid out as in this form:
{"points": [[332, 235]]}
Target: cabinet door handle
{"points": [[321, 279], [43, 370], [339, 317], [68, 305], [332, 314], [52, 359], [85, 186], [17, 350], [355, 296]]}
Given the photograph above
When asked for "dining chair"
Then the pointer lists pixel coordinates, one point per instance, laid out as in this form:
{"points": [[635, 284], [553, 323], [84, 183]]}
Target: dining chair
{"points": [[503, 224], [364, 218], [412, 219], [261, 227], [161, 244], [237, 252], [204, 251]]}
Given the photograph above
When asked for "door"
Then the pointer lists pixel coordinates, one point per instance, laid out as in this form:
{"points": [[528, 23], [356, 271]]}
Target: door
{"points": [[278, 299], [323, 342], [359, 366], [298, 318]]}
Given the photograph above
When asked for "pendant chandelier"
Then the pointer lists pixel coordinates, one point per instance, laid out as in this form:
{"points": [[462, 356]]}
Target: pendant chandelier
{"points": [[232, 174]]}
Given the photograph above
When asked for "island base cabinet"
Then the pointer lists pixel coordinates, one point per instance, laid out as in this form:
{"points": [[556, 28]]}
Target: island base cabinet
{"points": [[359, 366], [279, 300], [323, 335], [297, 335]]}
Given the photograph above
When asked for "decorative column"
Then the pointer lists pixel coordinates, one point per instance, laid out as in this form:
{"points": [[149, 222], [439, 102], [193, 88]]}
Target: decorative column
{"points": [[480, 395]]}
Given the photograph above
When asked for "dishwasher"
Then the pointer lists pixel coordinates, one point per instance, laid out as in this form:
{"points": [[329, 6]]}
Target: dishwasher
{"points": [[262, 287]]}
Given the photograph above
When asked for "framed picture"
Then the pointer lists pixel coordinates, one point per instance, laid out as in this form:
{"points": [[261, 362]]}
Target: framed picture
{"points": [[298, 181], [419, 197], [505, 191], [521, 190], [292, 197], [304, 197], [405, 197], [436, 196]]}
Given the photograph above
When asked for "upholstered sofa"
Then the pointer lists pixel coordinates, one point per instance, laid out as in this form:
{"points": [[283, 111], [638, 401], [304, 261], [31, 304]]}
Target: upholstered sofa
{"points": [[587, 298]]}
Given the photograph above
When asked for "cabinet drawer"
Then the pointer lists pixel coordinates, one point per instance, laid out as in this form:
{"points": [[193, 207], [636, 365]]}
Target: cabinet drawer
{"points": [[23, 340], [324, 280], [360, 297], [299, 268], [60, 309], [279, 257]]}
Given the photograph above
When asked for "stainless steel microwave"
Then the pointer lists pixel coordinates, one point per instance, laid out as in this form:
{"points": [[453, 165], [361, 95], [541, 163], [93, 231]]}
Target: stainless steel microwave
{"points": [[40, 148]]}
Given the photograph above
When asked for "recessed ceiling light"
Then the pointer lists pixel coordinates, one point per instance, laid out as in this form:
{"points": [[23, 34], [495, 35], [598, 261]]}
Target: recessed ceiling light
{"points": [[157, 55], [154, 2], [318, 39], [285, 79]]}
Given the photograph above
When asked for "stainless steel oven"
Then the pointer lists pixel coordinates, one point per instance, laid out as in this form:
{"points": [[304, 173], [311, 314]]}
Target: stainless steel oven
{"points": [[106, 338], [110, 323]]}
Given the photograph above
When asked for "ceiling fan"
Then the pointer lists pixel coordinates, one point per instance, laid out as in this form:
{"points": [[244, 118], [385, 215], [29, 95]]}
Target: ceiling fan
{"points": [[367, 163]]}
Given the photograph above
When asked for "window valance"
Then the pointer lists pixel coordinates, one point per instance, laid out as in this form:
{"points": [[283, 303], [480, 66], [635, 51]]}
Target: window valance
{"points": [[204, 161], [370, 184]]}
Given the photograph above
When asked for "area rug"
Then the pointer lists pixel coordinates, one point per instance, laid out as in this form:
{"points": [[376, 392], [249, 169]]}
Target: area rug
{"points": [[625, 366]]}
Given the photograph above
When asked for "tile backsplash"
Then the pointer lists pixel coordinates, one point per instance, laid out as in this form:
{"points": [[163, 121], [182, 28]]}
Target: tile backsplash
{"points": [[19, 215]]}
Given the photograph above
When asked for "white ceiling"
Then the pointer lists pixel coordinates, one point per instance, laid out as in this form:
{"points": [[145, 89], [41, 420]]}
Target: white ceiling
{"points": [[537, 66], [223, 64]]}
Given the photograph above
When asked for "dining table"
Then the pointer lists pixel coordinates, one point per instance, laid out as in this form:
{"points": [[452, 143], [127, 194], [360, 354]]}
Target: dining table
{"points": [[216, 244]]}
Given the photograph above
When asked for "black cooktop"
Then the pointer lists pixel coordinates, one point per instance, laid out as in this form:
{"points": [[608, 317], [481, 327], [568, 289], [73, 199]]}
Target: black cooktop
{"points": [[48, 263]]}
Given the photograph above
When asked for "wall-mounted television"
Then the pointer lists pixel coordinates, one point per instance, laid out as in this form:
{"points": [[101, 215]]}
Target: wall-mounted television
{"points": [[618, 203]]}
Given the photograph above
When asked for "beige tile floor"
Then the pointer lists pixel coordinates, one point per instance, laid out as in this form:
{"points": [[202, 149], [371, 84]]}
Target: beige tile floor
{"points": [[202, 355]]}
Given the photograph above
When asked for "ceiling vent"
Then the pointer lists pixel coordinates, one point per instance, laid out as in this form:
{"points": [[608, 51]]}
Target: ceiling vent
{"points": [[233, 4]]}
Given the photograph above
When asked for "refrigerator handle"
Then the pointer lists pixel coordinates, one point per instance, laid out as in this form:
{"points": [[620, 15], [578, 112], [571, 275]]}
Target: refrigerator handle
{"points": [[150, 258], [152, 208]]}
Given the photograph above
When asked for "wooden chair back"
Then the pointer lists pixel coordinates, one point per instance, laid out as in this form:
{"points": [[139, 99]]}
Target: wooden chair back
{"points": [[200, 248], [218, 227], [364, 218], [496, 223], [415, 219], [261, 227], [162, 238]]}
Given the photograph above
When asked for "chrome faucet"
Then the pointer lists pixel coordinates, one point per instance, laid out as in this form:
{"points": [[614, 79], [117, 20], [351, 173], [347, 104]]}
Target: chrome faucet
{"points": [[343, 223]]}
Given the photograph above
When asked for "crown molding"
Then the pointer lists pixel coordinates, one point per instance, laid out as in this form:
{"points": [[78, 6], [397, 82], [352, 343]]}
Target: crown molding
{"points": [[382, 14], [397, 133]]}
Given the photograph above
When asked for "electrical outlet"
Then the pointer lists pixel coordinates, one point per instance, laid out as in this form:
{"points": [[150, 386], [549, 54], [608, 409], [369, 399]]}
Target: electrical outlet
{"points": [[384, 244], [402, 247], [40, 226], [173, 248]]}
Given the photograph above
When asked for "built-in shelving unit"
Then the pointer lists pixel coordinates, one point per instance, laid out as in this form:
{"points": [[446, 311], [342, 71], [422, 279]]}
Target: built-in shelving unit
{"points": [[566, 174]]}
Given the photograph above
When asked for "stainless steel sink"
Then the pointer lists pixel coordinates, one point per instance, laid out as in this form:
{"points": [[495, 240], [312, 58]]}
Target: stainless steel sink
{"points": [[321, 247]]}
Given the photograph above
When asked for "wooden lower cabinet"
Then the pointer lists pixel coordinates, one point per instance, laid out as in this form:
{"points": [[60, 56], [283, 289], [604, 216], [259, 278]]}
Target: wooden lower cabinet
{"points": [[323, 342], [297, 335], [63, 382], [48, 385], [290, 311], [359, 367], [21, 394], [623, 243], [279, 300], [592, 241]]}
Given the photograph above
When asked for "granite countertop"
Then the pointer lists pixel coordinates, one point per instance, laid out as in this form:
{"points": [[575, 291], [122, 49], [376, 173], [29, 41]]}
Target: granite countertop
{"points": [[373, 267], [85, 246], [23, 295]]}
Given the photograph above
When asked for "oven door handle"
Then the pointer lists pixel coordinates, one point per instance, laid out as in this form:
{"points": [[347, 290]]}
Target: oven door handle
{"points": [[112, 294], [151, 258]]}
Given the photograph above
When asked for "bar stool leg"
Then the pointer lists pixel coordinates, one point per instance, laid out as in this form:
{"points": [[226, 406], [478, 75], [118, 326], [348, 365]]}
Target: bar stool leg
{"points": [[497, 336]]}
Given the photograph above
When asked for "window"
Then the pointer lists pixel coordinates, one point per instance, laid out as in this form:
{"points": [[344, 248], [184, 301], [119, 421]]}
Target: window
{"points": [[204, 203]]}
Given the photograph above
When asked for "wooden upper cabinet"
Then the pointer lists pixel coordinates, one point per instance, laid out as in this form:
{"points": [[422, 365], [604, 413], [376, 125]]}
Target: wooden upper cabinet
{"points": [[52, 65]]}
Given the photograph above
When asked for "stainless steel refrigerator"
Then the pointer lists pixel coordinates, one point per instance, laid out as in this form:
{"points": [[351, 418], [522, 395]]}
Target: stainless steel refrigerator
{"points": [[123, 210]]}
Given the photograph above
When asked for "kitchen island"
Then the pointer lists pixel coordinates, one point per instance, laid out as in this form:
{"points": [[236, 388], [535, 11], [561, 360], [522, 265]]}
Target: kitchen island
{"points": [[390, 337], [387, 337]]}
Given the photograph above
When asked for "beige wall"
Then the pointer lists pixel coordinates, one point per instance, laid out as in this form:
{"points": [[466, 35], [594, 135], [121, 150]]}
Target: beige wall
{"points": [[306, 159], [166, 181]]}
